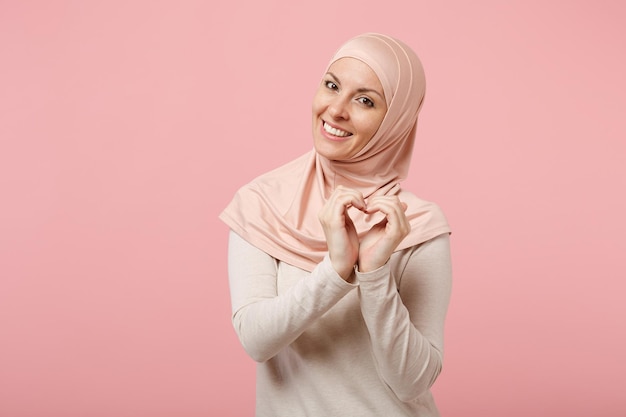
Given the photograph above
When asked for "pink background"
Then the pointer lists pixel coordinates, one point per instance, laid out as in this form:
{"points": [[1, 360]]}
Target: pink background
{"points": [[125, 127]]}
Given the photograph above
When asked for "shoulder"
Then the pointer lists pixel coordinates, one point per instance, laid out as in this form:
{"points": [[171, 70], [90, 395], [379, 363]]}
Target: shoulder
{"points": [[434, 249], [427, 263], [419, 205], [270, 187], [427, 220]]}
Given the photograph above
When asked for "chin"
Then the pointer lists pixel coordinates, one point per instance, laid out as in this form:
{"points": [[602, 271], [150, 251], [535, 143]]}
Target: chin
{"points": [[323, 152], [329, 154], [339, 151]]}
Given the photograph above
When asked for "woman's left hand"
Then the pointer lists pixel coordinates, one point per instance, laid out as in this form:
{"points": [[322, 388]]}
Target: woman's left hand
{"points": [[381, 240]]}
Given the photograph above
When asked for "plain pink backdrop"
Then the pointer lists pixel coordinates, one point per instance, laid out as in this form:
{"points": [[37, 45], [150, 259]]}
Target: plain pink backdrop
{"points": [[126, 126]]}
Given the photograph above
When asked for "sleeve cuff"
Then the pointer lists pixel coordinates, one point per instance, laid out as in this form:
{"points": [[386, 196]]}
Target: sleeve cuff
{"points": [[371, 276], [334, 278]]}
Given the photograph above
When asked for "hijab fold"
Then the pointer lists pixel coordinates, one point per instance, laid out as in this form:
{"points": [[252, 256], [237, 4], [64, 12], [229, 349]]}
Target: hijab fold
{"points": [[278, 211]]}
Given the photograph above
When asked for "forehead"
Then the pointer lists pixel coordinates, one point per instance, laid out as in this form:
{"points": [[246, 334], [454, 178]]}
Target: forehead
{"points": [[355, 72]]}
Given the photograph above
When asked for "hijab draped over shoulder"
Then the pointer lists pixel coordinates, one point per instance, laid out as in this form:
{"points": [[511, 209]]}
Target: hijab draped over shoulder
{"points": [[278, 211]]}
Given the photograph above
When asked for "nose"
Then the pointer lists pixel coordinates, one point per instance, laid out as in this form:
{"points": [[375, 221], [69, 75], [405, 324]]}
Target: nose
{"points": [[338, 108]]}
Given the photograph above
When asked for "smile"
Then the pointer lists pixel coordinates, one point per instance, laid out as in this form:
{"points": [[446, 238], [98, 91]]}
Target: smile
{"points": [[336, 132]]}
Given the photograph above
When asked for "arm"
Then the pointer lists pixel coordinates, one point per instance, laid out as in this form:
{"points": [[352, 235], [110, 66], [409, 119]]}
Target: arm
{"points": [[265, 321], [406, 324]]}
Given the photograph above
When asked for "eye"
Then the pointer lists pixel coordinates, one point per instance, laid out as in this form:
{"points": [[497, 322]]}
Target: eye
{"points": [[366, 101], [330, 85]]}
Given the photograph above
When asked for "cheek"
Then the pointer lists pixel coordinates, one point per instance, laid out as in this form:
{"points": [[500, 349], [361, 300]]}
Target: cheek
{"points": [[368, 126], [318, 103], [375, 122]]}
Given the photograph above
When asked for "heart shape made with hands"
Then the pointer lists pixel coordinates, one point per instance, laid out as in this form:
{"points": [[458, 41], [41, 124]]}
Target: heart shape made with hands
{"points": [[382, 238], [364, 217], [370, 218], [367, 238]]}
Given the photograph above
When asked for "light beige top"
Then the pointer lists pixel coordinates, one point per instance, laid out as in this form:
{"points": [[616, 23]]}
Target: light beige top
{"points": [[329, 348]]}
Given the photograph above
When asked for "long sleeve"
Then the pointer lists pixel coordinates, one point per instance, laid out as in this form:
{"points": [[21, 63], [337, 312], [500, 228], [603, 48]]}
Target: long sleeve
{"points": [[264, 321], [406, 320]]}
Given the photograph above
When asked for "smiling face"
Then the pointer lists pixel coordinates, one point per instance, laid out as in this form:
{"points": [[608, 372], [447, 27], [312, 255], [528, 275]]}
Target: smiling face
{"points": [[348, 109]]}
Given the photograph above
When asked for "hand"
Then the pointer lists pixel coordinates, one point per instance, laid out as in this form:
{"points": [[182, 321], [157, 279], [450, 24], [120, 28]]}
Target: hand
{"points": [[341, 235], [383, 238]]}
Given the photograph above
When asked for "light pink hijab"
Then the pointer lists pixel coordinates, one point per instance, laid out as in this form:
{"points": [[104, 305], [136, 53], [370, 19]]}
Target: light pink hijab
{"points": [[278, 211]]}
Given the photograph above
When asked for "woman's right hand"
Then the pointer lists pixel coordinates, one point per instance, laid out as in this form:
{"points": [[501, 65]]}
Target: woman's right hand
{"points": [[341, 236]]}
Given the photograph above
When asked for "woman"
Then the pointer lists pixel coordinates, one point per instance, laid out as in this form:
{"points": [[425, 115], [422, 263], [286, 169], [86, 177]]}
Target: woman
{"points": [[340, 280]]}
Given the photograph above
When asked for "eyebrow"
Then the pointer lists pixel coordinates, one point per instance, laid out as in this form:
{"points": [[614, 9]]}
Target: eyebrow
{"points": [[360, 90]]}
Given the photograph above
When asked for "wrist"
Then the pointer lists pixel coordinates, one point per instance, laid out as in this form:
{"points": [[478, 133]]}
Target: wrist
{"points": [[372, 275], [344, 271], [365, 267]]}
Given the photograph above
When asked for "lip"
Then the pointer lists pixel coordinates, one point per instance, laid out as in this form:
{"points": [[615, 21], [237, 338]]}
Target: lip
{"points": [[331, 137]]}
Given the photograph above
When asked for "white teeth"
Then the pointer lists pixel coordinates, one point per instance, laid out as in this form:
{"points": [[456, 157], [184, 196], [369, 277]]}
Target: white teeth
{"points": [[335, 132]]}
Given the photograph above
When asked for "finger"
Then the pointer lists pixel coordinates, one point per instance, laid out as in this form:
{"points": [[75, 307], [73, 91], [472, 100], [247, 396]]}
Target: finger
{"points": [[392, 202], [347, 197], [335, 211], [393, 210], [357, 201]]}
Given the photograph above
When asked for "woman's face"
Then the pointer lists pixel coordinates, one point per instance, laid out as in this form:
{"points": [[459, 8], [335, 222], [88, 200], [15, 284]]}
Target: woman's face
{"points": [[348, 108]]}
